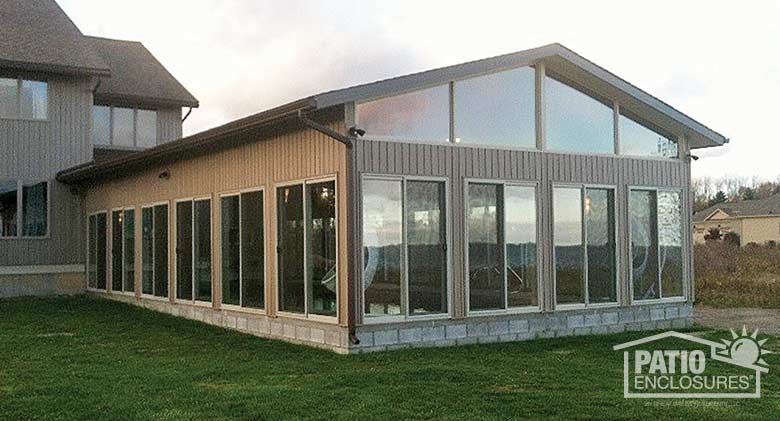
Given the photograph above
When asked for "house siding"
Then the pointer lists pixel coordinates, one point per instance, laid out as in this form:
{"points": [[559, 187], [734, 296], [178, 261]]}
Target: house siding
{"points": [[169, 124]]}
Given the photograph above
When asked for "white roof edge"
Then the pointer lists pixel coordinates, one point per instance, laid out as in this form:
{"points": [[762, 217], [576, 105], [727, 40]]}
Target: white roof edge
{"points": [[668, 334]]}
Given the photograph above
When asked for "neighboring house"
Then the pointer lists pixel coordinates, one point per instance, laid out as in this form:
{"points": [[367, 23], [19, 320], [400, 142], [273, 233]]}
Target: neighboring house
{"points": [[755, 221], [530, 194], [65, 100]]}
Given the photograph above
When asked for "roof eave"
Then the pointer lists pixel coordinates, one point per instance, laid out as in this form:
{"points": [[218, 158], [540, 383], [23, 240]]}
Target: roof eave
{"points": [[54, 68], [120, 99]]}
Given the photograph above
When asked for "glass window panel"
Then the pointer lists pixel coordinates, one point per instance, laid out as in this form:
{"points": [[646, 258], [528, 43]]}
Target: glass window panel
{"points": [[600, 236], [35, 100], [497, 109], [418, 115], [569, 252], [9, 208], [486, 267], [129, 250], [426, 233], [252, 250], [382, 238], [9, 88], [231, 251], [35, 210], [644, 244], [100, 258], [123, 126], [290, 239], [321, 242], [101, 125], [521, 271], [576, 122], [146, 128], [147, 251], [116, 250], [161, 250], [184, 250], [636, 139], [202, 251], [670, 241], [92, 251]]}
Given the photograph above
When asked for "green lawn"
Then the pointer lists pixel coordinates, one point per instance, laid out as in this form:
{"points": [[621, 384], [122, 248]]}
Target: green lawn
{"points": [[80, 358]]}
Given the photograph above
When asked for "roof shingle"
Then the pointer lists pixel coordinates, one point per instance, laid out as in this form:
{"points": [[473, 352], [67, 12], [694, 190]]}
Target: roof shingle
{"points": [[759, 207]]}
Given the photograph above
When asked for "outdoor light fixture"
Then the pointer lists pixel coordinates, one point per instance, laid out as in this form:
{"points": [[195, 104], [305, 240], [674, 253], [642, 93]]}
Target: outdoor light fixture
{"points": [[692, 156], [165, 175], [354, 131]]}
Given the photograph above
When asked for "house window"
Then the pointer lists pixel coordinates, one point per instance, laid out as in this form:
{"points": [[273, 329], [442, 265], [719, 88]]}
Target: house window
{"points": [[125, 127], [502, 246], [24, 99], [97, 251], [243, 249], [656, 244], [307, 239], [576, 122], [405, 256], [585, 246], [193, 250], [123, 250], [24, 205], [497, 109], [639, 140], [117, 268], [422, 115], [154, 250]]}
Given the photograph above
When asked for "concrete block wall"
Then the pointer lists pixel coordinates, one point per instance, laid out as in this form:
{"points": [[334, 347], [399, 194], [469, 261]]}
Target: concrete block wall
{"points": [[519, 327]]}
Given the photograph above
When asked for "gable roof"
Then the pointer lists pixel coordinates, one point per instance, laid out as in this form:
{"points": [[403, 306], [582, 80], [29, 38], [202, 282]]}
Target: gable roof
{"points": [[759, 207], [136, 76], [37, 35]]}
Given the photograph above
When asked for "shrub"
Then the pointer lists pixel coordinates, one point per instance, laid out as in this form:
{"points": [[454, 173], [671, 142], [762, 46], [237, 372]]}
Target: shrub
{"points": [[713, 234], [731, 238]]}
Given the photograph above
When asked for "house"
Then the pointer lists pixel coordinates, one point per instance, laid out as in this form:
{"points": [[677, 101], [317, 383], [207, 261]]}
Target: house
{"points": [[755, 221], [66, 99], [530, 194]]}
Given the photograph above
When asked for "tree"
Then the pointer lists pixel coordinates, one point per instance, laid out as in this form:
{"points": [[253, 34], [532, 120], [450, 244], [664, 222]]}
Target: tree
{"points": [[720, 197], [713, 234]]}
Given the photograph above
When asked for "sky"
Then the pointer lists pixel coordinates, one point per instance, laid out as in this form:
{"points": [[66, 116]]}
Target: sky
{"points": [[717, 61]]}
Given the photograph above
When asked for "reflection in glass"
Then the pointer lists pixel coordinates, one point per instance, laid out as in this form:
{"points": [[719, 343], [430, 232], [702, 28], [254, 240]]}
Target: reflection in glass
{"points": [[146, 128], [231, 251], [123, 126], [486, 273], [418, 115], [92, 252], [521, 272], [252, 250], [202, 250], [497, 109], [184, 250], [9, 208], [161, 250], [426, 247], [569, 252], [147, 251], [644, 244], [100, 258], [129, 250], [600, 222], [670, 241], [576, 122], [290, 239], [321, 242], [35, 199], [382, 238], [116, 250], [34, 100], [638, 140], [101, 125]]}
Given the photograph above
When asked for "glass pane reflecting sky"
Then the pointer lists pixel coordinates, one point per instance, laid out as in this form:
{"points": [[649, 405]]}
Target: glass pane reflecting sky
{"points": [[418, 115], [636, 139], [577, 122]]}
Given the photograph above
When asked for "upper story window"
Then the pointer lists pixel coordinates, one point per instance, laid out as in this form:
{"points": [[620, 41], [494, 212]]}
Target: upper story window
{"points": [[24, 99], [497, 109], [415, 116], [24, 209], [639, 140], [577, 122], [127, 127]]}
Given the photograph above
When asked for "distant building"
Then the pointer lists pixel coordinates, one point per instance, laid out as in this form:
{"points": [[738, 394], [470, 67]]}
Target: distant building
{"points": [[755, 221]]}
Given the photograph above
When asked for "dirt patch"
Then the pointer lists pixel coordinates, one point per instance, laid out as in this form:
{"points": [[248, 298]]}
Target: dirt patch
{"points": [[767, 321]]}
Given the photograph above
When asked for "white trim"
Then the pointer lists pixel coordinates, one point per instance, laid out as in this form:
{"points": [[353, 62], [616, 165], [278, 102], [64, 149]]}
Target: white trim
{"points": [[41, 269]]}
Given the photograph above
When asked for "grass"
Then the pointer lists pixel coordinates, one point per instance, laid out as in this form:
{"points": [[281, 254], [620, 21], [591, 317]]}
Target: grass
{"points": [[728, 276], [81, 358]]}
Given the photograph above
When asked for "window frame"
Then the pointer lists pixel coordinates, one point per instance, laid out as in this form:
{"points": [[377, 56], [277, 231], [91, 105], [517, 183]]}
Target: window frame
{"points": [[173, 263], [536, 185], [111, 144], [583, 187], [404, 263], [239, 307], [18, 115], [684, 246], [152, 296], [108, 250], [304, 182], [20, 184]]}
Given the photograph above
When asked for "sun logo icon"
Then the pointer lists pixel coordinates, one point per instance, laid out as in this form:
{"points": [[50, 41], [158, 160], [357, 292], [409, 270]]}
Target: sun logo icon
{"points": [[745, 350]]}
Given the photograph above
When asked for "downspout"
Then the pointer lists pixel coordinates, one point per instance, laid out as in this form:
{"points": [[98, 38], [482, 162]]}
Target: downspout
{"points": [[186, 115]]}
